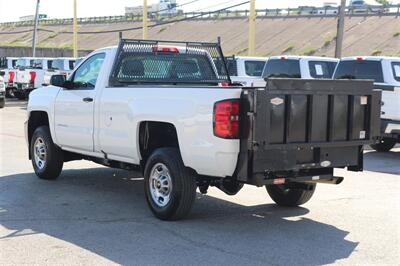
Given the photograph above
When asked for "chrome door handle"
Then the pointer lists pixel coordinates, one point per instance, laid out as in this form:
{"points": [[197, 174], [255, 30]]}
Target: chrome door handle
{"points": [[87, 100]]}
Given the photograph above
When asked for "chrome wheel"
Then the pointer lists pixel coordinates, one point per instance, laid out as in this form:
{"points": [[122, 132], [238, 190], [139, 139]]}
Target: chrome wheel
{"points": [[40, 153], [160, 183]]}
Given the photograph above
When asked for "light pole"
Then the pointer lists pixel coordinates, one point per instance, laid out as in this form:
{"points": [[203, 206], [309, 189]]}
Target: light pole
{"points": [[340, 30], [145, 21], [252, 28], [35, 29], [75, 32]]}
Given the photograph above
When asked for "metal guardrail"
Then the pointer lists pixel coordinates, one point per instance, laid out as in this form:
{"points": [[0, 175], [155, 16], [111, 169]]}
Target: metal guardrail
{"points": [[386, 10]]}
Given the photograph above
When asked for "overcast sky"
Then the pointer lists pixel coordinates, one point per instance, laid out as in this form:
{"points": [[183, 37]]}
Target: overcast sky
{"points": [[11, 10]]}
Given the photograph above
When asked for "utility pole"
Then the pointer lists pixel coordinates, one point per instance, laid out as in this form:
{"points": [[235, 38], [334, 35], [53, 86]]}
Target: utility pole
{"points": [[35, 29], [252, 28], [145, 21], [340, 30], [75, 32]]}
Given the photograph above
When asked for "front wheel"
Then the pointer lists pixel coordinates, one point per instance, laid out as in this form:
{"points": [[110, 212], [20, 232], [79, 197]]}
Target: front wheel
{"points": [[170, 189], [47, 158], [290, 196], [384, 146]]}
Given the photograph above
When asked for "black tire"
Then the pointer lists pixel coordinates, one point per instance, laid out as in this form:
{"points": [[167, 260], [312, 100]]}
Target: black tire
{"points": [[290, 197], [2, 102], [183, 192], [384, 146], [53, 161]]}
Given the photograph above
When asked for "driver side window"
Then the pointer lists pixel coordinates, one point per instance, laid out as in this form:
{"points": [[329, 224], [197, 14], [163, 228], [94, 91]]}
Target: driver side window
{"points": [[85, 76]]}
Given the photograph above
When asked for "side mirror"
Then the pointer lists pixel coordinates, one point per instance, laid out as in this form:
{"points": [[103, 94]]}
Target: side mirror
{"points": [[57, 80], [2, 73]]}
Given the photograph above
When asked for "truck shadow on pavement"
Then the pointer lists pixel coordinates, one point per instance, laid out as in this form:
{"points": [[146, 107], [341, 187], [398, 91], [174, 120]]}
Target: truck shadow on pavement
{"points": [[384, 162], [104, 211]]}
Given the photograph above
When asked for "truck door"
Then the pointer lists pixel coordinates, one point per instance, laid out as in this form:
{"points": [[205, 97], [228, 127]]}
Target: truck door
{"points": [[74, 107]]}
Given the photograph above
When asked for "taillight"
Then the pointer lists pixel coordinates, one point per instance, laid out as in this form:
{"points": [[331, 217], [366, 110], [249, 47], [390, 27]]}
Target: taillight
{"points": [[33, 77], [11, 76], [226, 119], [360, 58]]}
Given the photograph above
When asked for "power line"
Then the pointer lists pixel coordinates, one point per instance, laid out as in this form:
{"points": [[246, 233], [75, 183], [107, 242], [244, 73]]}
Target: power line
{"points": [[158, 24], [135, 28]]}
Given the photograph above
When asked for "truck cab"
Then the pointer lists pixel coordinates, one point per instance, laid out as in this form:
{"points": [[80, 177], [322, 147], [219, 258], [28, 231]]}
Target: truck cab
{"points": [[246, 70], [385, 72], [59, 66], [30, 74], [302, 67]]}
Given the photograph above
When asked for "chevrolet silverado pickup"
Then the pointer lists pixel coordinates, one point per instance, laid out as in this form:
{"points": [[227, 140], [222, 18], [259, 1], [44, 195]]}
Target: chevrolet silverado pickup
{"points": [[385, 72], [160, 108]]}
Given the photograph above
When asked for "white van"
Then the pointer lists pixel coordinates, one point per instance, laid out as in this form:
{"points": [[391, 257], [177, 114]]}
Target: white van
{"points": [[385, 71]]}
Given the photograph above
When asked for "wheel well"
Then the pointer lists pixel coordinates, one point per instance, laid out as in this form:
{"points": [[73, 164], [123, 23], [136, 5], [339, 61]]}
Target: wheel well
{"points": [[154, 135], [36, 119]]}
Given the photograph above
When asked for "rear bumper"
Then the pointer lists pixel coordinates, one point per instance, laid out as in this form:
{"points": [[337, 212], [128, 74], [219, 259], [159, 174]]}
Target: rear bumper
{"points": [[24, 86], [390, 129]]}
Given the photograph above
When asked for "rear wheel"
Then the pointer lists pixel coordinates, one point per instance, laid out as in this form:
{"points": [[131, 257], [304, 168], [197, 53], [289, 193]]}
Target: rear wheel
{"points": [[291, 196], [47, 158], [170, 189], [384, 146]]}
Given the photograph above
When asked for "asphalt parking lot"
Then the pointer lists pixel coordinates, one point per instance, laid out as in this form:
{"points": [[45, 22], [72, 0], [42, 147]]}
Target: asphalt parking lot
{"points": [[93, 215]]}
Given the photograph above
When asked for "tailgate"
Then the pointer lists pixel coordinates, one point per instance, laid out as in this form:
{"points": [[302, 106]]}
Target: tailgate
{"points": [[22, 76], [299, 127]]}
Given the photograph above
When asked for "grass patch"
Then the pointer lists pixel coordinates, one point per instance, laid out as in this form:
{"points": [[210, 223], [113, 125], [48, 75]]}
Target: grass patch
{"points": [[328, 41], [243, 51], [397, 34], [376, 52], [163, 29], [289, 48], [308, 51]]}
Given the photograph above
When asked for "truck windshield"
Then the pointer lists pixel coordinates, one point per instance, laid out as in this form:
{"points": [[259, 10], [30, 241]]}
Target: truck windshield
{"points": [[254, 68], [166, 68], [282, 68], [359, 69], [29, 63], [321, 69], [396, 70]]}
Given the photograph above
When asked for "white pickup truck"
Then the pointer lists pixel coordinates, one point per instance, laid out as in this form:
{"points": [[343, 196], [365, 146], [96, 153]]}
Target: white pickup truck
{"points": [[2, 90], [7, 65], [59, 66], [158, 107], [245, 70], [385, 72], [293, 66], [30, 75]]}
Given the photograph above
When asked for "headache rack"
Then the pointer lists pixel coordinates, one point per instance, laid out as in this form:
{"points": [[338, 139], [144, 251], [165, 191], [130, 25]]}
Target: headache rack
{"points": [[143, 70]]}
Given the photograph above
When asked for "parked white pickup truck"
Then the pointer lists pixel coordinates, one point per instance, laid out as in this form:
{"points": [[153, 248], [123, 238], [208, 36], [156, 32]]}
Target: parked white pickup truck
{"points": [[2, 90], [385, 72], [7, 65], [158, 107], [245, 70], [59, 66], [30, 75], [304, 67]]}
